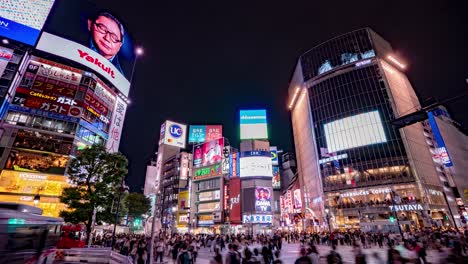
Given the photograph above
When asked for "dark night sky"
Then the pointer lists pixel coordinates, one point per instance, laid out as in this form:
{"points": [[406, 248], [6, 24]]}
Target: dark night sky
{"points": [[205, 60]]}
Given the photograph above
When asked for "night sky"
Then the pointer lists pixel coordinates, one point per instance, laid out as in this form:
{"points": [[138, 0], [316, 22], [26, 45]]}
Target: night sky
{"points": [[206, 60]]}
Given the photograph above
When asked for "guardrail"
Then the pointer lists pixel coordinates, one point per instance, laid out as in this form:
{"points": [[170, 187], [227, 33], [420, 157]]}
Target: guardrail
{"points": [[91, 255]]}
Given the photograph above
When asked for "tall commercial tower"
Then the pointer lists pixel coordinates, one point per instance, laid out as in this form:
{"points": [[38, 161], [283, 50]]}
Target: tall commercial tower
{"points": [[358, 171], [60, 92]]}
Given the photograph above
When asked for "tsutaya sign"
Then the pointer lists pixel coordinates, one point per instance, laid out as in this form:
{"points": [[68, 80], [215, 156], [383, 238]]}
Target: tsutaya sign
{"points": [[406, 207]]}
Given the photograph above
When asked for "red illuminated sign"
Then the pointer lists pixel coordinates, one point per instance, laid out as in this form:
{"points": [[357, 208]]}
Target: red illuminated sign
{"points": [[234, 201]]}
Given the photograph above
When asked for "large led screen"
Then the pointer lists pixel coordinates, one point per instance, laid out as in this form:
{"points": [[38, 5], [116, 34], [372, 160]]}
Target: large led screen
{"points": [[255, 166], [354, 131], [93, 37], [253, 124], [22, 20]]}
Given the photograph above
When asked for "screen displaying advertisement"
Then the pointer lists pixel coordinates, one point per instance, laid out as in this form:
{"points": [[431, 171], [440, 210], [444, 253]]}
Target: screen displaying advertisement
{"points": [[213, 152], [276, 180], [92, 36], [255, 167], [297, 199], [183, 201], [184, 166], [150, 180], [5, 57], [209, 196], [207, 172], [175, 134], [263, 197], [115, 130], [253, 124], [36, 161], [205, 219], [274, 155], [23, 20], [354, 131], [235, 213], [441, 150], [32, 183], [197, 155], [197, 134]]}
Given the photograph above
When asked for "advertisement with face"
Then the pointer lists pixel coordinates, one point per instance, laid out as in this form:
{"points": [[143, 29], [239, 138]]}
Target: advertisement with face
{"points": [[92, 36], [23, 20], [235, 215], [263, 199], [213, 152], [297, 199]]}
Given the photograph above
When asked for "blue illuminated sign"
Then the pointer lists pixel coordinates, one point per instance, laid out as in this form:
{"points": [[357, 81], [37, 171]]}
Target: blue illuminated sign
{"points": [[16, 31], [441, 148], [197, 134], [175, 131]]}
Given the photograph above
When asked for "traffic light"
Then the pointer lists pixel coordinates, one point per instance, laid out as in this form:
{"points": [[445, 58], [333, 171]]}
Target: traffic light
{"points": [[446, 217], [392, 219], [136, 222]]}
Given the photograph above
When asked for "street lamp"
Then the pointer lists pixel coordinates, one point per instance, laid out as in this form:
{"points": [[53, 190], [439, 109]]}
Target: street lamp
{"points": [[328, 219]]}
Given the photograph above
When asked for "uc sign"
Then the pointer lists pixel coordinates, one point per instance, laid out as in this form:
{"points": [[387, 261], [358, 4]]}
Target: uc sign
{"points": [[175, 131]]}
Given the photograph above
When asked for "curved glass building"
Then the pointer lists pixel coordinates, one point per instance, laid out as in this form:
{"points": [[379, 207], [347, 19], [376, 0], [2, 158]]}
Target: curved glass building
{"points": [[343, 95]]}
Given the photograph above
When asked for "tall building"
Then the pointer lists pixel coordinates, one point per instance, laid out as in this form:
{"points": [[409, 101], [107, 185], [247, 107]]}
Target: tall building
{"points": [[58, 95], [357, 170]]}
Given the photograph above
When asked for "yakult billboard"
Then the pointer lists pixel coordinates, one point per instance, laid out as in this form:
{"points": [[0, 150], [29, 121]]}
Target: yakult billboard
{"points": [[93, 37]]}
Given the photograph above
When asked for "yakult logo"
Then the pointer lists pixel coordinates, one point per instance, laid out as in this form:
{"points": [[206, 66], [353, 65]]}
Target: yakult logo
{"points": [[175, 131], [95, 61]]}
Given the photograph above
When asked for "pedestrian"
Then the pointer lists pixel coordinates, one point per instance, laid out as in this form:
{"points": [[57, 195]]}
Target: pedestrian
{"points": [[303, 258], [217, 259], [334, 257], [313, 254], [359, 256], [232, 256], [160, 248], [183, 257]]}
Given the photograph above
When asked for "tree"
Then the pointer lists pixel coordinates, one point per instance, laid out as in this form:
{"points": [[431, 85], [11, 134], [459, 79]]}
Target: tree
{"points": [[96, 176], [137, 204]]}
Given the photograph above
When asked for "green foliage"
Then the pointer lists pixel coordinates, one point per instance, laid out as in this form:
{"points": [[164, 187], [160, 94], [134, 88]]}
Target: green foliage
{"points": [[137, 204], [95, 177]]}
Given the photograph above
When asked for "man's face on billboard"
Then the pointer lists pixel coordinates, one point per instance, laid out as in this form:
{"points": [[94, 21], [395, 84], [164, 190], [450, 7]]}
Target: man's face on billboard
{"points": [[106, 36]]}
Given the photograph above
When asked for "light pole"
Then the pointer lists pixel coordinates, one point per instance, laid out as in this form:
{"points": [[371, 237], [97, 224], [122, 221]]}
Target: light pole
{"points": [[122, 189], [328, 219]]}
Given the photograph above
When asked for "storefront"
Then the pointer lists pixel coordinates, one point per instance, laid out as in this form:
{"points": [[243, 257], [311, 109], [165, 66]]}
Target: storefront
{"points": [[37, 189]]}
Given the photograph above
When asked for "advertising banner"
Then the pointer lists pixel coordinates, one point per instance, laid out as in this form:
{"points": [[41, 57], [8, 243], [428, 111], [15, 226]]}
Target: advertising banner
{"points": [[263, 199], [274, 155], [258, 219], [83, 32], [209, 196], [23, 20], [297, 199], [150, 180], [207, 172], [184, 166], [5, 57], [213, 132], [197, 155], [276, 179], [183, 201], [32, 183], [253, 124], [212, 152], [235, 215], [197, 134], [226, 159], [289, 202], [204, 220], [441, 150], [175, 134], [115, 131], [233, 165]]}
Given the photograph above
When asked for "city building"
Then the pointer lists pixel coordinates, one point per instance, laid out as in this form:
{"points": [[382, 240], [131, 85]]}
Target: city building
{"points": [[58, 96], [356, 169]]}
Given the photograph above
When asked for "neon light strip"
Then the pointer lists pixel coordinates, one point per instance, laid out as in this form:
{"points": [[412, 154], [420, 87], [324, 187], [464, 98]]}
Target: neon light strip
{"points": [[394, 60], [294, 97]]}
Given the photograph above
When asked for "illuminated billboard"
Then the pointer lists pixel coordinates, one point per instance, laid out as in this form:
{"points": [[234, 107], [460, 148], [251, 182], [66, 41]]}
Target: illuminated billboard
{"points": [[354, 131], [32, 183], [94, 37], [115, 131], [235, 215], [297, 199], [208, 153], [5, 57], [274, 155], [23, 20], [207, 172], [255, 163], [253, 124], [36, 161], [263, 197], [202, 133], [258, 219], [276, 179], [174, 134]]}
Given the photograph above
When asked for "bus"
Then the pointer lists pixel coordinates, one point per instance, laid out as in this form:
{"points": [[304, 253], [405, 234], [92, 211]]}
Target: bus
{"points": [[26, 236]]}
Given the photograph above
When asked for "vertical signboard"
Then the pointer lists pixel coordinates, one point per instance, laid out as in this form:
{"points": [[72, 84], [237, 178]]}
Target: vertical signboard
{"points": [[274, 155], [276, 180], [184, 166], [297, 199], [234, 201], [226, 159], [115, 131], [441, 149]]}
